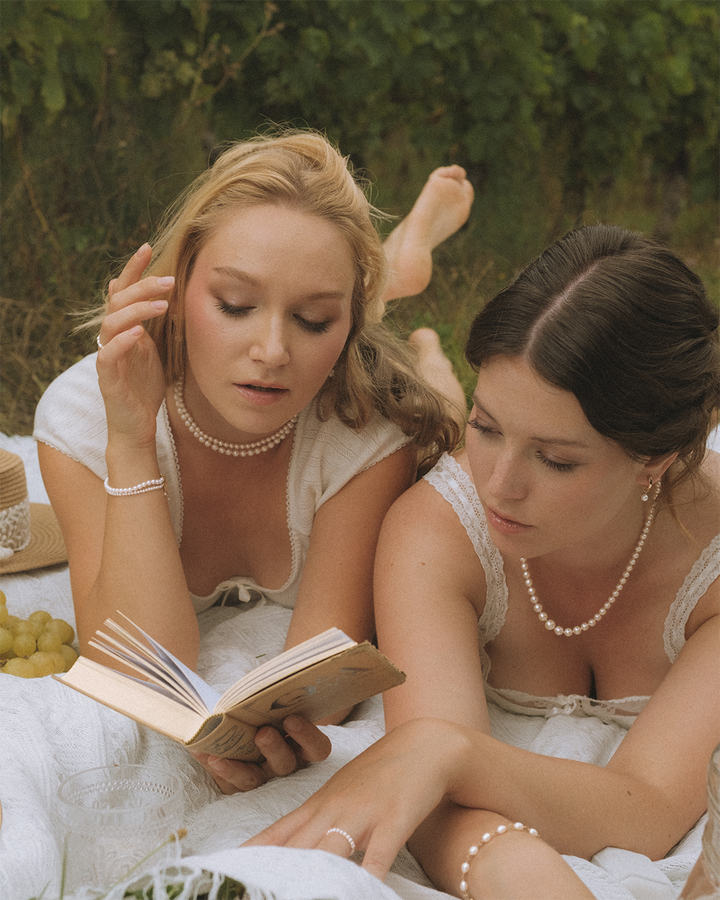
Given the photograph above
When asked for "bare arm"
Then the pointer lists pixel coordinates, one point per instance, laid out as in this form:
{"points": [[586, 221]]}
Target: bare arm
{"points": [[122, 550], [335, 591], [439, 746]]}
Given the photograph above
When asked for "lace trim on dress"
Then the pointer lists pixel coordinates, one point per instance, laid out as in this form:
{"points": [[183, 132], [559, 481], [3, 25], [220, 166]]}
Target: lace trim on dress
{"points": [[453, 484], [705, 570], [166, 417], [620, 712]]}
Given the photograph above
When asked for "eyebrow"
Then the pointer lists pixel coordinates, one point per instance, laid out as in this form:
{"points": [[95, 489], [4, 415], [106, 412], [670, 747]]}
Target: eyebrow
{"points": [[560, 442], [246, 278]]}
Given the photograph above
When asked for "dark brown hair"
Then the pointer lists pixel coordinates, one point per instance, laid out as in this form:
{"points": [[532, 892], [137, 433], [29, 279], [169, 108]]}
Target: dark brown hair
{"points": [[624, 325]]}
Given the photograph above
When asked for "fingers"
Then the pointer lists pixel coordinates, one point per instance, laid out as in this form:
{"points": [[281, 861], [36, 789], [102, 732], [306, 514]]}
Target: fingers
{"points": [[133, 299], [142, 305], [134, 268], [313, 744], [305, 744], [231, 775]]}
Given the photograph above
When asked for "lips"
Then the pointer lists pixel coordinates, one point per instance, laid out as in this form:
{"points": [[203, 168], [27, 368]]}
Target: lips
{"points": [[266, 388], [503, 523], [259, 393]]}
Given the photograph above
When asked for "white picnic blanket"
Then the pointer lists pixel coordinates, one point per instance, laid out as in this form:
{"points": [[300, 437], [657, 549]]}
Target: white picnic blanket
{"points": [[48, 732]]}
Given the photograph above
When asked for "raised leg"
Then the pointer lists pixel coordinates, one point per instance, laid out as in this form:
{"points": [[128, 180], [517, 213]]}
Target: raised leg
{"points": [[442, 207], [437, 370]]}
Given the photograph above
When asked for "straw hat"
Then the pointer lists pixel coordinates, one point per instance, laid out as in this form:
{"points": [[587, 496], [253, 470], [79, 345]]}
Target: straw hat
{"points": [[29, 532]]}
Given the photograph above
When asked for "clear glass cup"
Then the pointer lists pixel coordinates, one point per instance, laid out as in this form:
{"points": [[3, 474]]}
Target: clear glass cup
{"points": [[112, 817], [704, 881]]}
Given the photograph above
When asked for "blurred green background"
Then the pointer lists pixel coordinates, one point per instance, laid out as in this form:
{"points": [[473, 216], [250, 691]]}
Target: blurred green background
{"points": [[562, 111]]}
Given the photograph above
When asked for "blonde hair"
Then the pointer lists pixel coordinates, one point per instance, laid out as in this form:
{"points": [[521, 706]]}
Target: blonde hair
{"points": [[303, 171]]}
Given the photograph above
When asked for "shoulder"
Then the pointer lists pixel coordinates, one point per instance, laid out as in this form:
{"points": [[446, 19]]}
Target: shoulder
{"points": [[327, 453], [425, 543], [71, 416], [336, 436], [425, 515]]}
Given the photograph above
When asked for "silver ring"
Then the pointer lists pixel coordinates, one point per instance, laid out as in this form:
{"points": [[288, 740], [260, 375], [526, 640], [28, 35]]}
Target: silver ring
{"points": [[100, 346], [345, 835]]}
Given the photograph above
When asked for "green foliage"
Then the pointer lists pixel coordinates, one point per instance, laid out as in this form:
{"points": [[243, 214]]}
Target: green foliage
{"points": [[110, 107], [632, 79]]}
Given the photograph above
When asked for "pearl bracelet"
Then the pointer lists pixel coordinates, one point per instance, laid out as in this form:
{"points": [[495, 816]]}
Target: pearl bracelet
{"points": [[154, 484], [473, 851]]}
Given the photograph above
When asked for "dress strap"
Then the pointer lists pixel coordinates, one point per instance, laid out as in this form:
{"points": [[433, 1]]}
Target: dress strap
{"points": [[698, 580], [452, 482]]}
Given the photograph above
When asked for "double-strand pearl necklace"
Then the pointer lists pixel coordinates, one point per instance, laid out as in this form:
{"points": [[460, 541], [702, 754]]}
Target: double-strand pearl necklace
{"points": [[252, 449], [579, 629]]}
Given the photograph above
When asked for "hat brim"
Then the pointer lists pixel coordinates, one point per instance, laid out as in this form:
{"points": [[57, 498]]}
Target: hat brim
{"points": [[46, 547]]}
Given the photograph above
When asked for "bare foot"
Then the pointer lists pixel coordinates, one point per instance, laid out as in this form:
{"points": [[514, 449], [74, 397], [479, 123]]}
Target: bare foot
{"points": [[442, 207], [437, 370]]}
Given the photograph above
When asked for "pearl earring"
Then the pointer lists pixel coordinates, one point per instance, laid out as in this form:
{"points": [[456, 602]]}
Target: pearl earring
{"points": [[646, 492]]}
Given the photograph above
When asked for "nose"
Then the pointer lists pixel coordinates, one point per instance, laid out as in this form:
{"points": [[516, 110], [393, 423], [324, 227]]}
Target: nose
{"points": [[507, 479], [269, 343]]}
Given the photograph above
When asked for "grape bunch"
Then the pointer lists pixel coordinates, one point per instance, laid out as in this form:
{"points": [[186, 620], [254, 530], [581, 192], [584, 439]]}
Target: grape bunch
{"points": [[36, 646]]}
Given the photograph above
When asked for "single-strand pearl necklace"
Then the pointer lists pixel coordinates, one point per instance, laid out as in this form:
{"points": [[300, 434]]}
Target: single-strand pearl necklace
{"points": [[579, 629], [252, 449]]}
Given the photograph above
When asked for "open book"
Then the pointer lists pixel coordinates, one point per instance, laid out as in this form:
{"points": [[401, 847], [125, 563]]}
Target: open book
{"points": [[315, 679]]}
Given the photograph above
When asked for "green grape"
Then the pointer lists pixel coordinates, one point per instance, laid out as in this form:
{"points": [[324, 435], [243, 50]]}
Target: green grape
{"points": [[34, 647], [49, 641], [6, 640], [40, 617], [69, 655], [58, 662], [24, 644], [43, 664], [22, 626], [23, 668], [63, 628]]}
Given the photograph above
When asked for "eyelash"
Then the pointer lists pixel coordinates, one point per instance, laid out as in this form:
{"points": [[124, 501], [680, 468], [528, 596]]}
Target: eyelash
{"points": [[314, 327], [550, 463]]}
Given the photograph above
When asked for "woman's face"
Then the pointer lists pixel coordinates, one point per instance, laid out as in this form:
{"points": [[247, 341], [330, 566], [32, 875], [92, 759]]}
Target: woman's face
{"points": [[548, 481], [267, 314]]}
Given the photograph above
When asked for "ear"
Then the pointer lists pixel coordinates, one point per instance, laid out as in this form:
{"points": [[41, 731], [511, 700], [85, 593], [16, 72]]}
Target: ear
{"points": [[655, 468]]}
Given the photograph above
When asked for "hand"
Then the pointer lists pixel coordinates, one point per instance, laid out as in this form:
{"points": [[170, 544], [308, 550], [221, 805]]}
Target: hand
{"points": [[130, 374], [379, 798], [305, 743]]}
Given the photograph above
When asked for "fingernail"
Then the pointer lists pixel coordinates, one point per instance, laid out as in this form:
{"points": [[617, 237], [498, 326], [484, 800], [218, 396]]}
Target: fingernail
{"points": [[166, 281], [142, 249], [292, 723], [158, 304]]}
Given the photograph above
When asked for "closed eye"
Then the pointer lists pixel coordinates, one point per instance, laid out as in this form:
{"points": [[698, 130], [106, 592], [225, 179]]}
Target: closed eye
{"points": [[554, 465], [545, 460], [230, 309], [314, 327], [483, 429]]}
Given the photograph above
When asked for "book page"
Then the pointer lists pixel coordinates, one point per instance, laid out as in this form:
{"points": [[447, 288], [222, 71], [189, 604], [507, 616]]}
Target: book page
{"points": [[132, 698], [158, 664], [323, 688], [279, 667]]}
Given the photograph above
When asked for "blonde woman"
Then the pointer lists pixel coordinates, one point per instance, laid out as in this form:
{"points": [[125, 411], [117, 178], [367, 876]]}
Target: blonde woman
{"points": [[246, 422]]}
